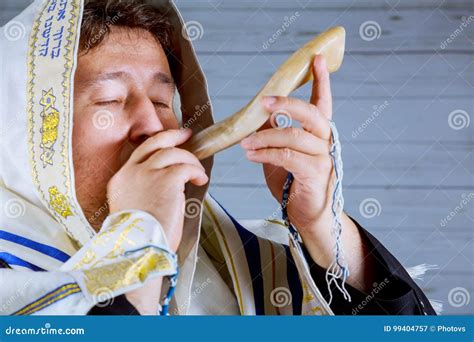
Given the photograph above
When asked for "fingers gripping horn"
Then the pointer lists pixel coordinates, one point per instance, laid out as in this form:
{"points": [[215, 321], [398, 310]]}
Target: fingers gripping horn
{"points": [[291, 75]]}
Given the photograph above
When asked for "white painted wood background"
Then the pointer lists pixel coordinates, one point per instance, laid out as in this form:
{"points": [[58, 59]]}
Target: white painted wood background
{"points": [[409, 158]]}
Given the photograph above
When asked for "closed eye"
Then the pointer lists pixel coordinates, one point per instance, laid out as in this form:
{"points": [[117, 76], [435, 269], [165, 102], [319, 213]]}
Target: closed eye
{"points": [[108, 102], [161, 105]]}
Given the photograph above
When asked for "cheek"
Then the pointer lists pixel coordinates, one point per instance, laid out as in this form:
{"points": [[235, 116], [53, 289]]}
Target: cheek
{"points": [[169, 121], [97, 141]]}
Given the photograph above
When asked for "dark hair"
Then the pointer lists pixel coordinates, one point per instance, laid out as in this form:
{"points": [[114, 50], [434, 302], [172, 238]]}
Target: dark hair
{"points": [[100, 15]]}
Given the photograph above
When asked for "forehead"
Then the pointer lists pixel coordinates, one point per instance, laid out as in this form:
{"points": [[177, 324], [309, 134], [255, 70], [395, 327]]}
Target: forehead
{"points": [[120, 38], [124, 48]]}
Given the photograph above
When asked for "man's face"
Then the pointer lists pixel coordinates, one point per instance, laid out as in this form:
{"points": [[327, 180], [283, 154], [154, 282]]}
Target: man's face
{"points": [[123, 94]]}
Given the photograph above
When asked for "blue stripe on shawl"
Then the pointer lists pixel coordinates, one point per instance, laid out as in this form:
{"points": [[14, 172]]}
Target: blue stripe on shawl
{"points": [[252, 252], [39, 247], [13, 260], [294, 283]]}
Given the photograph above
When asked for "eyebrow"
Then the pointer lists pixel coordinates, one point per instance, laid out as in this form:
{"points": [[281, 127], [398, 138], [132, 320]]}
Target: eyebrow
{"points": [[159, 77]]}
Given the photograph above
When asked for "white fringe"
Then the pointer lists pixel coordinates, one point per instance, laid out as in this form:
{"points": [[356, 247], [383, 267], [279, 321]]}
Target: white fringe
{"points": [[417, 272], [437, 306]]}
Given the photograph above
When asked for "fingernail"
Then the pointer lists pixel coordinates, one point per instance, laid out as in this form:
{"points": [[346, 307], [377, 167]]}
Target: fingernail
{"points": [[269, 100], [319, 56], [321, 60]]}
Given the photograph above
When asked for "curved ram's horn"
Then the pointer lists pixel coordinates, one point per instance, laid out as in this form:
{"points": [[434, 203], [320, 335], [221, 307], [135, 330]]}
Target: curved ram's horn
{"points": [[292, 74]]}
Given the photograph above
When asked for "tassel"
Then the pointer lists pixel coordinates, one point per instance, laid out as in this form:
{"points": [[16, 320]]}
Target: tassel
{"points": [[338, 272], [163, 309]]}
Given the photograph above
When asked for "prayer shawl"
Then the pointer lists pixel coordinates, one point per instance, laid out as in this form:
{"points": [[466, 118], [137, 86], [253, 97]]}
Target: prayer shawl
{"points": [[57, 263]]}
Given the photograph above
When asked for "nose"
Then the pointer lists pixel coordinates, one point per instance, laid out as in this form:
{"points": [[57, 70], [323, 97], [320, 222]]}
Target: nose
{"points": [[144, 120]]}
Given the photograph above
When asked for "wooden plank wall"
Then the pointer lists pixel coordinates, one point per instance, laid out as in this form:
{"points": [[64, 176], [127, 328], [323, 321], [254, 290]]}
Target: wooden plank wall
{"points": [[392, 101]]}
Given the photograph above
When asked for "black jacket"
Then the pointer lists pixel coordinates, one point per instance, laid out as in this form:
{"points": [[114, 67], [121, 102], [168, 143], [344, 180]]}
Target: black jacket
{"points": [[394, 291]]}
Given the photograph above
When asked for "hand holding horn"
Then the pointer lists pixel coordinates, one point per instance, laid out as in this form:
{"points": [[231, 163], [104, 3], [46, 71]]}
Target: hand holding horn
{"points": [[291, 75]]}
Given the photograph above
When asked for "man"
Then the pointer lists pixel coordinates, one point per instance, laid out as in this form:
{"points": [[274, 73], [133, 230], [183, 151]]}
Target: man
{"points": [[102, 208]]}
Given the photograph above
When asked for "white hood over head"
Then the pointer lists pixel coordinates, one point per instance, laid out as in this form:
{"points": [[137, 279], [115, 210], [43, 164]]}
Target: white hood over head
{"points": [[38, 61]]}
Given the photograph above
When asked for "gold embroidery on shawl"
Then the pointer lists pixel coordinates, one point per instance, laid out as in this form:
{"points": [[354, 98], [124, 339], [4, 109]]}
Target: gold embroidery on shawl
{"points": [[317, 310], [307, 297], [52, 43], [127, 272], [122, 239], [277, 222], [59, 202], [102, 239], [49, 129], [88, 258]]}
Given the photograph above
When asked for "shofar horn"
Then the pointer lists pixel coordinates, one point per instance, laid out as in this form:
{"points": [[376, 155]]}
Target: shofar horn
{"points": [[292, 74]]}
